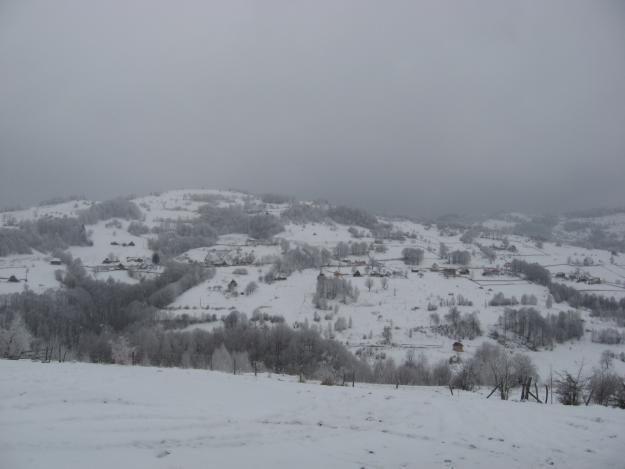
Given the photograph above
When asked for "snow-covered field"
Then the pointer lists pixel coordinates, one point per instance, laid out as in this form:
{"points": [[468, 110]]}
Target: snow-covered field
{"points": [[76, 416]]}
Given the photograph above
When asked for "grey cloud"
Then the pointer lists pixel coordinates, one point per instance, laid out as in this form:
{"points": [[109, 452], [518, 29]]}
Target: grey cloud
{"points": [[413, 107]]}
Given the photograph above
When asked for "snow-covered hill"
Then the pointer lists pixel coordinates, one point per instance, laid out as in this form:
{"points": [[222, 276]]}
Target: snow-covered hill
{"points": [[73, 416], [400, 306]]}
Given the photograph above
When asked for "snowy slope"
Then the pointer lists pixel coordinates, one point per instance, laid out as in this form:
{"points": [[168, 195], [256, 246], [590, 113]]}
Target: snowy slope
{"points": [[74, 416]]}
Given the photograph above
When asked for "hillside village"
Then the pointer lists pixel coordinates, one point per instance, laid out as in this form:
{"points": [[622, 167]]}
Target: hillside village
{"points": [[397, 284]]}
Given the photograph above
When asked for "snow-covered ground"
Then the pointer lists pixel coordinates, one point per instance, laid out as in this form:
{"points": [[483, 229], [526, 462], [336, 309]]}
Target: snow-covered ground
{"points": [[74, 416]]}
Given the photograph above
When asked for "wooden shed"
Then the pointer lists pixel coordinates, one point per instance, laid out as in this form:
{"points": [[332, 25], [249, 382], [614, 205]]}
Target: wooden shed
{"points": [[458, 347]]}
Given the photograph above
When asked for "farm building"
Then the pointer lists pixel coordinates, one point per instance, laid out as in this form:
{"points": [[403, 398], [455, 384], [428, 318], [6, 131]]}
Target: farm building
{"points": [[458, 347]]}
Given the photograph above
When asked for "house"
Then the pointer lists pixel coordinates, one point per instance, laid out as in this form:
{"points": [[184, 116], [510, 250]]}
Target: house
{"points": [[458, 347], [463, 271], [114, 243], [491, 271], [280, 276], [232, 286], [357, 273], [13, 279], [55, 262], [560, 275], [449, 272], [131, 243]]}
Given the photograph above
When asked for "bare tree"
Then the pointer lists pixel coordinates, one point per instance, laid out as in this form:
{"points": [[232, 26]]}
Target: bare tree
{"points": [[251, 288]]}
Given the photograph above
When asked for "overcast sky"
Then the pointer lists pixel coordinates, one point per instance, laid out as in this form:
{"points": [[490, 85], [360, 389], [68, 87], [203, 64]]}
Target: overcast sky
{"points": [[405, 107]]}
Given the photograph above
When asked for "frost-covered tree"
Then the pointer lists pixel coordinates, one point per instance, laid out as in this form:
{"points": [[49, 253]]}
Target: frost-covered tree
{"points": [[340, 325], [15, 340], [412, 256], [341, 250], [387, 334], [121, 351], [443, 251], [251, 288], [460, 257], [221, 359]]}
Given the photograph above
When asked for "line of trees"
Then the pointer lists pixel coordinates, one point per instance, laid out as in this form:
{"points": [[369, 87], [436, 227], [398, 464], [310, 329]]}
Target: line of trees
{"points": [[412, 256], [495, 366], [333, 288], [537, 330], [599, 305], [458, 325], [352, 216], [234, 219], [62, 319], [460, 257], [44, 234], [174, 239], [301, 257], [114, 208]]}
